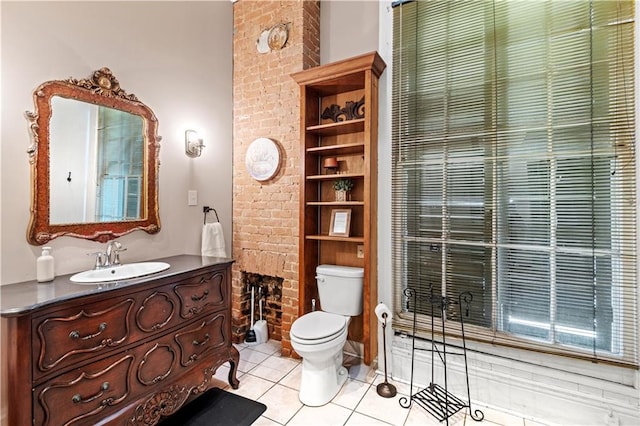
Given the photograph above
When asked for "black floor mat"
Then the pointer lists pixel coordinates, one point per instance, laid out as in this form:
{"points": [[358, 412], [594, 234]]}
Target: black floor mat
{"points": [[217, 407]]}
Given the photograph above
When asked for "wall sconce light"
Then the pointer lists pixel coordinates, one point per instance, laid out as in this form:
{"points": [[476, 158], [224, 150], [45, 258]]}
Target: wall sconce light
{"points": [[192, 143]]}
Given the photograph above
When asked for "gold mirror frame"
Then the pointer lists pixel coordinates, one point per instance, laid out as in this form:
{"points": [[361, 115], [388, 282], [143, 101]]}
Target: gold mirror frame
{"points": [[103, 89]]}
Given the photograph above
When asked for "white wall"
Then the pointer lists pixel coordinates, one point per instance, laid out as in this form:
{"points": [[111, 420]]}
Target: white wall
{"points": [[347, 28], [176, 57]]}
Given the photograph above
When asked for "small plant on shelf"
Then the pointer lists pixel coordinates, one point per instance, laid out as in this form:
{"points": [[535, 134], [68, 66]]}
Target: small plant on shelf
{"points": [[343, 184], [342, 187]]}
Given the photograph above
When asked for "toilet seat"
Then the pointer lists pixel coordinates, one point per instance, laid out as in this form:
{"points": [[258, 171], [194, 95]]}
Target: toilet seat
{"points": [[317, 327]]}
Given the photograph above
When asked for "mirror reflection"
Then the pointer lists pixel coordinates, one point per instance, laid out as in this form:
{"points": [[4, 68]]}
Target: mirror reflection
{"points": [[96, 163]]}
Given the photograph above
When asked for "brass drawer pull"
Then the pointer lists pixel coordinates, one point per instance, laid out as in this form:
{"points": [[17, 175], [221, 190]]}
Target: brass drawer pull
{"points": [[199, 298], [206, 339], [75, 334], [77, 398]]}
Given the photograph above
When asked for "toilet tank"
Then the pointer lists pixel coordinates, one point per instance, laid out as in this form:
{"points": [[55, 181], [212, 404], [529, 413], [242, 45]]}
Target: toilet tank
{"points": [[340, 289]]}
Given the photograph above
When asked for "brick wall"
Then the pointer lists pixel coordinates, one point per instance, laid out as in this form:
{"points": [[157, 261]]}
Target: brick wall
{"points": [[266, 104]]}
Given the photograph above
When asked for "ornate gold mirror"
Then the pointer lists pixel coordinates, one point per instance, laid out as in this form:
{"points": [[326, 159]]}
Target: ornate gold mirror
{"points": [[94, 161]]}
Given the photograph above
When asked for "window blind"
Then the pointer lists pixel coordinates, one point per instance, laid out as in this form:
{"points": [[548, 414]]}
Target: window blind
{"points": [[120, 165], [514, 171]]}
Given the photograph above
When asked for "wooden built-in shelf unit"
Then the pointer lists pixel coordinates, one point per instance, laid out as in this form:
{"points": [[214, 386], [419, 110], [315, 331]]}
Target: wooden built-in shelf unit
{"points": [[354, 143]]}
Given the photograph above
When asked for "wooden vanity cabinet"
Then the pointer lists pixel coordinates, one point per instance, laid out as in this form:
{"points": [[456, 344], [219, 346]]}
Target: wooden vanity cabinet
{"points": [[124, 356]]}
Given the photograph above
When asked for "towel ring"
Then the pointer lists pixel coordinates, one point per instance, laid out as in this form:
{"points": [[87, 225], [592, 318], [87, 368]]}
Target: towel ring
{"points": [[207, 209]]}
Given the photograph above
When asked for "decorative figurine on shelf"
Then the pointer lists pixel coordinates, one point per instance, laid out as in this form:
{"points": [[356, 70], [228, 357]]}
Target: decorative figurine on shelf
{"points": [[342, 187], [331, 165], [352, 110]]}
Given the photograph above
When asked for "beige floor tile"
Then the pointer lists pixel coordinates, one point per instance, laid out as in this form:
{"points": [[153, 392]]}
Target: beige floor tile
{"points": [[470, 422], [252, 387], [280, 363], [269, 347], [461, 419], [261, 366], [253, 356], [420, 416], [385, 409], [358, 419], [263, 421], [268, 373], [329, 414], [362, 372], [292, 380], [282, 403], [351, 393], [244, 366]]}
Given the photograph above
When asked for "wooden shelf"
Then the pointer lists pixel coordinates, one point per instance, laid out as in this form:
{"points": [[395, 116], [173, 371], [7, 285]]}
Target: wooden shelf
{"points": [[339, 128], [335, 203], [328, 238], [342, 149], [330, 177], [354, 142]]}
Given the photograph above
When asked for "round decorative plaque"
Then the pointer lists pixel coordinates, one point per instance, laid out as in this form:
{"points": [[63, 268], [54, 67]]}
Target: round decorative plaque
{"points": [[263, 159]]}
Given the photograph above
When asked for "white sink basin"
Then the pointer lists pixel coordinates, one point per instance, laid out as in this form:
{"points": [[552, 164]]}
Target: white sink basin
{"points": [[118, 273]]}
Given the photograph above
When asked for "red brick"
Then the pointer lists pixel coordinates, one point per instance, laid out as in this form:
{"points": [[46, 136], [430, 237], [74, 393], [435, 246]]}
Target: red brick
{"points": [[266, 104]]}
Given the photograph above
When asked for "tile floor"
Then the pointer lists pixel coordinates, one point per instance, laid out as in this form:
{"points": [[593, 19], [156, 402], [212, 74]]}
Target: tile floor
{"points": [[267, 377]]}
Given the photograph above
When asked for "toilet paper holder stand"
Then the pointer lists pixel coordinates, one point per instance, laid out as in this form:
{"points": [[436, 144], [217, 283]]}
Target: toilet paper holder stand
{"points": [[385, 389]]}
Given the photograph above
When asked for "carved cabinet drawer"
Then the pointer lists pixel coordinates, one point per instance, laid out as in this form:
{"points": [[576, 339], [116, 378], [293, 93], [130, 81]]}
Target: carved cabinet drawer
{"points": [[203, 337], [203, 292], [78, 333], [87, 392], [158, 310]]}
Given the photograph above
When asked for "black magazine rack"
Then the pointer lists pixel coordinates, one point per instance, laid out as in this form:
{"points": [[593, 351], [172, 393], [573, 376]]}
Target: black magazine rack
{"points": [[436, 399]]}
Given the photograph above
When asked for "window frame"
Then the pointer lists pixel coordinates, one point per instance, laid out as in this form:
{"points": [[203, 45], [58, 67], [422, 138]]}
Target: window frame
{"points": [[403, 319]]}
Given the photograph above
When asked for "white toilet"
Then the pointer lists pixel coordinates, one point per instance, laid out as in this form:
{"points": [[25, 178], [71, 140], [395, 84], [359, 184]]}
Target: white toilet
{"points": [[319, 336]]}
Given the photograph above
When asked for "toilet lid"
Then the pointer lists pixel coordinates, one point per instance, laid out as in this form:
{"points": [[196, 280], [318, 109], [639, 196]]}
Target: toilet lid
{"points": [[318, 325]]}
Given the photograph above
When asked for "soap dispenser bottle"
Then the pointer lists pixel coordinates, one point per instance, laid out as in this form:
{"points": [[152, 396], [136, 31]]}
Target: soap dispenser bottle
{"points": [[44, 266]]}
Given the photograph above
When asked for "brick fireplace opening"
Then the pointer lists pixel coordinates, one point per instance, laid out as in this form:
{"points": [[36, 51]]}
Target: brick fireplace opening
{"points": [[267, 288]]}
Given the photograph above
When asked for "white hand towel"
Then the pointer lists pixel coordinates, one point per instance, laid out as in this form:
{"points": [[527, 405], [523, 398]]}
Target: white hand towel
{"points": [[213, 240]]}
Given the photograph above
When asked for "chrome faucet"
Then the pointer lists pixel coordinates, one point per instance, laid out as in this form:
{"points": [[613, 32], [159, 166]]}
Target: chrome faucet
{"points": [[111, 256], [113, 253], [100, 259]]}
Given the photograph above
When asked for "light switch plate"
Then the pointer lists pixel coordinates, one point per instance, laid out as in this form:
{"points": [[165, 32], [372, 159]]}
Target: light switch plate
{"points": [[193, 198]]}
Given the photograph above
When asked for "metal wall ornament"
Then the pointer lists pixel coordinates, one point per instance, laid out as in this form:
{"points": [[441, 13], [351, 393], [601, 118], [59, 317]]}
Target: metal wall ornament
{"points": [[274, 38], [351, 111], [278, 36]]}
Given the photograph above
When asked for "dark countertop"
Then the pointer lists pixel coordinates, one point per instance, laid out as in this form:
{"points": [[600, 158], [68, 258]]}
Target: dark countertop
{"points": [[19, 298]]}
